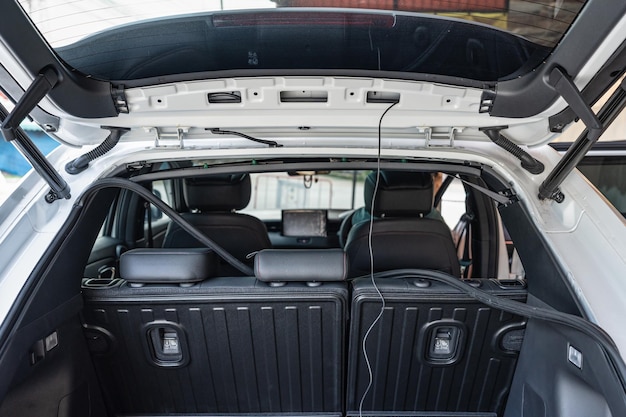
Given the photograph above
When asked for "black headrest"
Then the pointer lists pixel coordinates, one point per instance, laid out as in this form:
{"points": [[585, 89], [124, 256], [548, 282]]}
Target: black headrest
{"points": [[402, 243], [284, 265], [218, 192], [399, 194], [167, 266]]}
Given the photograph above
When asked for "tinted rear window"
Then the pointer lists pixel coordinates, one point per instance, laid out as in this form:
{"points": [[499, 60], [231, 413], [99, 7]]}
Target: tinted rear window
{"points": [[481, 40]]}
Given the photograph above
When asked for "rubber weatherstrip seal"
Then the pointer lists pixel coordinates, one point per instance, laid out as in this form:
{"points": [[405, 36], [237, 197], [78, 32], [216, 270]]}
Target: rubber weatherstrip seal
{"points": [[170, 212], [591, 330]]}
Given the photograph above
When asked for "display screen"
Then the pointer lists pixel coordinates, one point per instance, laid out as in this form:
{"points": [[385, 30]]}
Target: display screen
{"points": [[304, 223]]}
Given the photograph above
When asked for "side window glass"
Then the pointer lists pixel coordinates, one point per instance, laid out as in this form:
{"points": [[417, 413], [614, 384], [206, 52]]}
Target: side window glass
{"points": [[608, 174], [452, 203], [163, 190]]}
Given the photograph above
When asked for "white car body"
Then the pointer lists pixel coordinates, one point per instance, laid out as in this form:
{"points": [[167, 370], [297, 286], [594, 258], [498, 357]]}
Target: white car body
{"points": [[438, 122]]}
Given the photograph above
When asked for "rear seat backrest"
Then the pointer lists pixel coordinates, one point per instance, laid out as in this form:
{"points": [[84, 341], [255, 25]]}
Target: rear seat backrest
{"points": [[226, 345], [402, 234], [212, 202], [433, 350]]}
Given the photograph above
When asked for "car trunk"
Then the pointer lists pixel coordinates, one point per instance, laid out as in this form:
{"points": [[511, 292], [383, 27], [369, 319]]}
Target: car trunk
{"points": [[244, 346]]}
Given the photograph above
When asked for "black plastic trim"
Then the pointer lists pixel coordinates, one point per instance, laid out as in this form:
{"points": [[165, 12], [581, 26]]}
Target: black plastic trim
{"points": [[597, 87], [43, 83], [530, 94], [252, 73], [14, 91], [47, 290], [261, 166], [546, 280], [611, 146], [76, 94]]}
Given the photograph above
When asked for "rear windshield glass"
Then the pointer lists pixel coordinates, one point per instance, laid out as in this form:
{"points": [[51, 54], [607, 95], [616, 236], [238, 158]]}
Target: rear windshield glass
{"points": [[483, 40]]}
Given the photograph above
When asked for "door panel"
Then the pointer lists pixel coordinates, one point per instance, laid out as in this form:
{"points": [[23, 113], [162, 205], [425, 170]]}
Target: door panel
{"points": [[45, 367], [56, 380]]}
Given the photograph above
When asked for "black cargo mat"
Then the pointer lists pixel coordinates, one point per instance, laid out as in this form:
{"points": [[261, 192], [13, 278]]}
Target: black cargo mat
{"points": [[240, 415], [425, 414]]}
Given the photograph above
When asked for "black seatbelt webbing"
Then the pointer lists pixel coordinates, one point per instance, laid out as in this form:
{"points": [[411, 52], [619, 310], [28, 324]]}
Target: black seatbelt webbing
{"points": [[149, 238], [465, 239]]}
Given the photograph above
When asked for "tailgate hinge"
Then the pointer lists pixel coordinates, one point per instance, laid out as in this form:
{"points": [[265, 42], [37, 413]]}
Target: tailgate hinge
{"points": [[443, 137], [169, 139]]}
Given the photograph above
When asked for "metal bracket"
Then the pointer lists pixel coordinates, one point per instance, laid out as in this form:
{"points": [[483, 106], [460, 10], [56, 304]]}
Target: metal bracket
{"points": [[439, 139], [119, 99], [486, 101], [169, 139]]}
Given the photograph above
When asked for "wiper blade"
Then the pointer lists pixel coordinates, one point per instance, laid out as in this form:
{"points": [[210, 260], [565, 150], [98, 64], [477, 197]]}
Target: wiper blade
{"points": [[12, 132]]}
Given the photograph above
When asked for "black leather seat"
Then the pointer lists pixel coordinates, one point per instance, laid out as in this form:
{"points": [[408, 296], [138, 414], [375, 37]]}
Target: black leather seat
{"points": [[212, 202], [402, 237]]}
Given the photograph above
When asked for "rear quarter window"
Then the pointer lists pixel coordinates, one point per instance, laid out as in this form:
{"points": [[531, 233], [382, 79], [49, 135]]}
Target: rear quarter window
{"points": [[608, 174]]}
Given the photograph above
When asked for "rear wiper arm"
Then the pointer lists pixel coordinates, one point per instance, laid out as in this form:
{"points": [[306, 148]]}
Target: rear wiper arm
{"points": [[12, 132]]}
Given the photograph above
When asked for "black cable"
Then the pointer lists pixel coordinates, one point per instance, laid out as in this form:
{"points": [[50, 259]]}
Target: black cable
{"points": [[371, 253], [218, 131], [82, 162], [529, 163]]}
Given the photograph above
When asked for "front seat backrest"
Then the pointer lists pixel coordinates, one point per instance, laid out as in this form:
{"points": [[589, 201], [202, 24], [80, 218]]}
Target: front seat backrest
{"points": [[212, 202], [402, 237]]}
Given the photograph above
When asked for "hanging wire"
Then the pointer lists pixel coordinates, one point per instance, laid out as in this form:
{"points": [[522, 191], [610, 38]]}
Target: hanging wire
{"points": [[371, 253]]}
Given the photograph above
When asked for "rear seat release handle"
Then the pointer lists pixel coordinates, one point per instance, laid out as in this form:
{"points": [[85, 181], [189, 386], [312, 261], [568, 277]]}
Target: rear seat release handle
{"points": [[166, 346], [170, 343], [444, 343]]}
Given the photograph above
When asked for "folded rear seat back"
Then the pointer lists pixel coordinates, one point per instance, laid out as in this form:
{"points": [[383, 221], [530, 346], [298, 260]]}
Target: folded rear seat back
{"points": [[227, 345], [434, 349]]}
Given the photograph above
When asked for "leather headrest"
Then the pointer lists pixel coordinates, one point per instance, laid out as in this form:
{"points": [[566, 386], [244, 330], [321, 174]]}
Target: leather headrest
{"points": [[159, 266], [400, 194], [218, 192], [286, 265]]}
